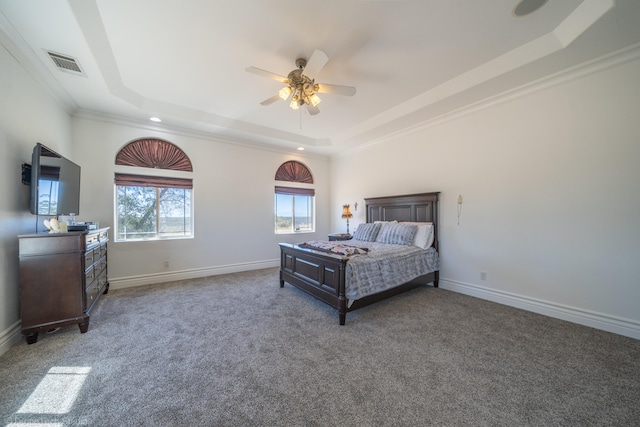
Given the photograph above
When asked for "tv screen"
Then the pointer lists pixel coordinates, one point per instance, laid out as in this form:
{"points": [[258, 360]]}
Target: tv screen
{"points": [[55, 183]]}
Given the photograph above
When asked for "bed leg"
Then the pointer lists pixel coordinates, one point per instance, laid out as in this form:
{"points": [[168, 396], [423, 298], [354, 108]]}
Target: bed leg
{"points": [[435, 280], [343, 318]]}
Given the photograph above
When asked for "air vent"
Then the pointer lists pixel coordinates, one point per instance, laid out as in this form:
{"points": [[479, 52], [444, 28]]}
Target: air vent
{"points": [[66, 63]]}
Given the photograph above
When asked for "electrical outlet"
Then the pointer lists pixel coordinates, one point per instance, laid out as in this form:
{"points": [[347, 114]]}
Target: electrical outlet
{"points": [[460, 199], [483, 275], [166, 263]]}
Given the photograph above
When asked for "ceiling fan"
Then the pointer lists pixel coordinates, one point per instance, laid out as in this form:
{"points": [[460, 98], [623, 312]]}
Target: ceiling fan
{"points": [[301, 85]]}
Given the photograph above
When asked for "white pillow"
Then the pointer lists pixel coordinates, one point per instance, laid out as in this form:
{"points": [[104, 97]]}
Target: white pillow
{"points": [[424, 236]]}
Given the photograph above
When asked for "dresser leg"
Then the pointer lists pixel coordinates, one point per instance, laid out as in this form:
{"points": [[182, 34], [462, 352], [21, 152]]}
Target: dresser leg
{"points": [[31, 338]]}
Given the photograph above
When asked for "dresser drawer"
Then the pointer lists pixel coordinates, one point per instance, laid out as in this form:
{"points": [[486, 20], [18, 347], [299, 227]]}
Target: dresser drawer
{"points": [[95, 256], [92, 239], [102, 280], [93, 292], [89, 258], [43, 244], [89, 275], [99, 266]]}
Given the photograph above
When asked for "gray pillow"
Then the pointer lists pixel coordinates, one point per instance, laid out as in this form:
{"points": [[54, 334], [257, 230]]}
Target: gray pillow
{"points": [[397, 234], [367, 232]]}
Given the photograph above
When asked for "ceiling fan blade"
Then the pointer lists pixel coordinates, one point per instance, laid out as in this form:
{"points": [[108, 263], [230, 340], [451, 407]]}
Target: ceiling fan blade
{"points": [[317, 61], [336, 89], [271, 100], [269, 74], [312, 110]]}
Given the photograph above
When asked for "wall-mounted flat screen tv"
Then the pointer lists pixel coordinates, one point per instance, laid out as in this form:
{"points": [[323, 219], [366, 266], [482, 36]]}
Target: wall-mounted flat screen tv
{"points": [[55, 183]]}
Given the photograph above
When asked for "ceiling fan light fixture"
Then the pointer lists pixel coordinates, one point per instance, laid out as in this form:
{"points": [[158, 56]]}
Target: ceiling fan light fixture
{"points": [[284, 92], [301, 88], [315, 99]]}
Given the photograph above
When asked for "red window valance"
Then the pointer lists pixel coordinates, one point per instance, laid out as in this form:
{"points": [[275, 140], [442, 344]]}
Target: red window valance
{"points": [[154, 153], [295, 191], [294, 171], [123, 179]]}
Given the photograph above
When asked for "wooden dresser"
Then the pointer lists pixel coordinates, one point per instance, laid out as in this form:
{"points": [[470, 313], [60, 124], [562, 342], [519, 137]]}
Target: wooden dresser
{"points": [[62, 276]]}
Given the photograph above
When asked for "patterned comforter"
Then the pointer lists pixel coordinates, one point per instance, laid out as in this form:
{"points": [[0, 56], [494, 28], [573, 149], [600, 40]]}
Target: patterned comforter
{"points": [[339, 248], [385, 266]]}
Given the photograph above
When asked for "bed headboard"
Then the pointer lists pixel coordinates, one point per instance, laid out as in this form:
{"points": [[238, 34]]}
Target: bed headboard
{"points": [[411, 207]]}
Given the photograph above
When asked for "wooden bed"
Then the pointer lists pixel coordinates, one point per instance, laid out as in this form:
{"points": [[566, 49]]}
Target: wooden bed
{"points": [[323, 275]]}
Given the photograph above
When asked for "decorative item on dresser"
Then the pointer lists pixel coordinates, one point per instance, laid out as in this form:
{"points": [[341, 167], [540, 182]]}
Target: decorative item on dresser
{"points": [[62, 275], [321, 269]]}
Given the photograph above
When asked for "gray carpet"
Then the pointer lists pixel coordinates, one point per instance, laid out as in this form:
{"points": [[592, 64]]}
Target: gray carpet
{"points": [[236, 350]]}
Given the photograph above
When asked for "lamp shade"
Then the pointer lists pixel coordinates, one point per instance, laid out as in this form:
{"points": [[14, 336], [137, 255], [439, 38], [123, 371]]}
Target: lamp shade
{"points": [[346, 212]]}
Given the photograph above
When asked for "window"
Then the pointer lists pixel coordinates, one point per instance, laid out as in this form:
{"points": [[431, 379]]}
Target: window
{"points": [[153, 207], [294, 210], [294, 206]]}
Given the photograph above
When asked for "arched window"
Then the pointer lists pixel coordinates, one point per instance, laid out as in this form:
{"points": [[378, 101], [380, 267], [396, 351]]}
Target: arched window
{"points": [[295, 172], [152, 207], [154, 153], [294, 205]]}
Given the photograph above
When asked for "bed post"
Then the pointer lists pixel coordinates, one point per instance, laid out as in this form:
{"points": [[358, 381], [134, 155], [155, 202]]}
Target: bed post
{"points": [[342, 299], [282, 267]]}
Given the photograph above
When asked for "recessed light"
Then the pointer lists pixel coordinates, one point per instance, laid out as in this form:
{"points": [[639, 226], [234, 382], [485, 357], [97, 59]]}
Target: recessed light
{"points": [[155, 119], [300, 148]]}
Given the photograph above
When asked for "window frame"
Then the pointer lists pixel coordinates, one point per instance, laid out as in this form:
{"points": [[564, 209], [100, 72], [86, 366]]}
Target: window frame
{"points": [[157, 183], [294, 192]]}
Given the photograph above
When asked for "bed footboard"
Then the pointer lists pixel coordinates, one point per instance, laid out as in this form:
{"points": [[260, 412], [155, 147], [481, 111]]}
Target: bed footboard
{"points": [[321, 275]]}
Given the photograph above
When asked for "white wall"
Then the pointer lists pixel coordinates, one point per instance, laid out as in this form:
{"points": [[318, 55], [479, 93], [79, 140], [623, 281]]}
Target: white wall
{"points": [[233, 204], [28, 114], [549, 180]]}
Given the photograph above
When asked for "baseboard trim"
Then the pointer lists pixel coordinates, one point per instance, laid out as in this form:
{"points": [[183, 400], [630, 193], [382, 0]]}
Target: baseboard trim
{"points": [[605, 322], [9, 337], [172, 276]]}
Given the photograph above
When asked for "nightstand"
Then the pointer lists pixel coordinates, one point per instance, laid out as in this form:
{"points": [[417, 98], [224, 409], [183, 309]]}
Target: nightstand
{"points": [[338, 236]]}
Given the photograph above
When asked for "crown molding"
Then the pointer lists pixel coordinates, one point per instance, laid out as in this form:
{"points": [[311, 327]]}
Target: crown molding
{"points": [[191, 133]]}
